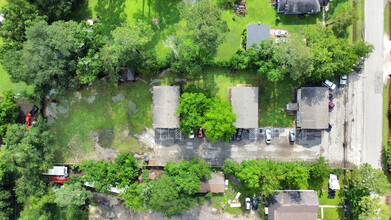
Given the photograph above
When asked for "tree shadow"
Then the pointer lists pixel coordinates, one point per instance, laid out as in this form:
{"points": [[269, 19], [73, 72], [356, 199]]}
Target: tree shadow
{"points": [[298, 19], [111, 13], [81, 11], [162, 14]]}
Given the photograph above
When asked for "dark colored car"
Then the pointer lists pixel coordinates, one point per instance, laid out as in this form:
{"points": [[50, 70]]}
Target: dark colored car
{"points": [[200, 133], [232, 138], [34, 110], [331, 96], [331, 106], [329, 129], [240, 134], [255, 203]]}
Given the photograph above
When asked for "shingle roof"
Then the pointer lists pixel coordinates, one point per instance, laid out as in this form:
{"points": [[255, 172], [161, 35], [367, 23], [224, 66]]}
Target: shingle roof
{"points": [[313, 110], [256, 33], [299, 6], [214, 185], [244, 102], [165, 103], [293, 205]]}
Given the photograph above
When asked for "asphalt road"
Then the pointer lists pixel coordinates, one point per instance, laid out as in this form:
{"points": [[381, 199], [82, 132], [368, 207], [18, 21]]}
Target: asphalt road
{"points": [[367, 113]]}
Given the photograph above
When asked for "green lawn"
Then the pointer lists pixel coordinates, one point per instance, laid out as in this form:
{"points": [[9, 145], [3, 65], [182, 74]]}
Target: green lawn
{"points": [[386, 19], [385, 111], [115, 122]]}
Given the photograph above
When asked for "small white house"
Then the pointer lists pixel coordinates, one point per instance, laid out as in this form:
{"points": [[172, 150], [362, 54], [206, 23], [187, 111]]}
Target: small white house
{"points": [[333, 182]]}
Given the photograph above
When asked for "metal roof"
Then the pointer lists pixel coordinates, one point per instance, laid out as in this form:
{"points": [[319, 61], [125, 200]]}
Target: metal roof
{"points": [[165, 103], [244, 102], [256, 33], [313, 110], [57, 171], [293, 205]]}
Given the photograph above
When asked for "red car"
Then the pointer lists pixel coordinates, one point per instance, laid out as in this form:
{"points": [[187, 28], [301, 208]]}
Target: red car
{"points": [[331, 106], [200, 133]]}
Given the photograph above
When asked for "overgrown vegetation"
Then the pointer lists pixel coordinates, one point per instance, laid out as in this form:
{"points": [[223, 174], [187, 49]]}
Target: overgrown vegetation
{"points": [[212, 114]]}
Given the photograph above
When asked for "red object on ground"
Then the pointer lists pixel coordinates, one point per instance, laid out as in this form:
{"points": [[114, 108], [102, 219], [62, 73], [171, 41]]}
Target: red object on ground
{"points": [[28, 121], [200, 133], [56, 179]]}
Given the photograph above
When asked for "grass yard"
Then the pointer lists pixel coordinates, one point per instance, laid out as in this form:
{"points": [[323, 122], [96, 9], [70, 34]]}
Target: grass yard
{"points": [[115, 122], [330, 213], [385, 111], [387, 19]]}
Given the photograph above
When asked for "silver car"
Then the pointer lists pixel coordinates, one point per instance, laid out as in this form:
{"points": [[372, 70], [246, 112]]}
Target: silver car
{"points": [[292, 137], [248, 203], [268, 133]]}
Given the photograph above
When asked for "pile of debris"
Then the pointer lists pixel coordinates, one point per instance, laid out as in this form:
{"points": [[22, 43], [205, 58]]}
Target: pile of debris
{"points": [[241, 8]]}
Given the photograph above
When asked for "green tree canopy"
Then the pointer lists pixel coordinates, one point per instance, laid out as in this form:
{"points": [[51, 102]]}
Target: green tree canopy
{"points": [[219, 120], [192, 107], [72, 194], [128, 48], [8, 111]]}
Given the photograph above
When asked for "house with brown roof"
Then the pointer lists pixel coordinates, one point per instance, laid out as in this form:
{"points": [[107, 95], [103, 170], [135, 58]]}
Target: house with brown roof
{"points": [[214, 185], [293, 205]]}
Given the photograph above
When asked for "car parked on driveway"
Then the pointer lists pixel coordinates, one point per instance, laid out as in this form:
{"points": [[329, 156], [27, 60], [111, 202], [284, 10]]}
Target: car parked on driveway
{"points": [[191, 135], [240, 134], [343, 80], [331, 106], [255, 203], [200, 133], [268, 134], [292, 137], [329, 84], [248, 203], [329, 129]]}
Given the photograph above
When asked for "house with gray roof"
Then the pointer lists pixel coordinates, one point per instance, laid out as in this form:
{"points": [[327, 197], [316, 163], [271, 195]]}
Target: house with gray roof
{"points": [[256, 33], [293, 205], [244, 102], [165, 103], [313, 108], [300, 6]]}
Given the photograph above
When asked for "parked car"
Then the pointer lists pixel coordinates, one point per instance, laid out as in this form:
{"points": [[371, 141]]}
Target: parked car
{"points": [[268, 133], [240, 134], [232, 138], [255, 203], [281, 33], [191, 135], [329, 84], [331, 96], [292, 137], [200, 133], [329, 129], [343, 80], [331, 106], [248, 203], [34, 110]]}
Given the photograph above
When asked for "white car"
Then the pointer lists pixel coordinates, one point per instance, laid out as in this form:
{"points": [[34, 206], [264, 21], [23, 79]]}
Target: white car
{"points": [[292, 136], [281, 33], [268, 133], [329, 84], [248, 203], [343, 80], [191, 135]]}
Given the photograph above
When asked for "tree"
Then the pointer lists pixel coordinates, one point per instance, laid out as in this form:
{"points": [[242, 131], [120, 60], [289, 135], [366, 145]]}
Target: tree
{"points": [[369, 207], [219, 120], [342, 21], [8, 175], [239, 60], [319, 171], [33, 154], [127, 47], [72, 194], [38, 207], [54, 10], [8, 111], [295, 58], [187, 175], [206, 28], [19, 15], [362, 49], [105, 174], [49, 57], [192, 108], [295, 175], [167, 199]]}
